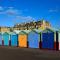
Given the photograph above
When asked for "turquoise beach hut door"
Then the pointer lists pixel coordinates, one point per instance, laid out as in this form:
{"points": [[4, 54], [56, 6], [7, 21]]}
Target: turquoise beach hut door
{"points": [[0, 39], [6, 38]]}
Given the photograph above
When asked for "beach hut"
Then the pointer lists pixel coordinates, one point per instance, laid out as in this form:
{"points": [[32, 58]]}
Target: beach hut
{"points": [[27, 32], [48, 38], [34, 38], [6, 38], [0, 38], [22, 39], [57, 43], [14, 39], [58, 39]]}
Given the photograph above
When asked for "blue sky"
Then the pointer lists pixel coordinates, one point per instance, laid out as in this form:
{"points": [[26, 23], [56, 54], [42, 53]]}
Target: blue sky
{"points": [[18, 11]]}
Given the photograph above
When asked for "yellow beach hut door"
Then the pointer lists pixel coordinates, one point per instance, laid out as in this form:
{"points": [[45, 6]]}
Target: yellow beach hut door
{"points": [[22, 40]]}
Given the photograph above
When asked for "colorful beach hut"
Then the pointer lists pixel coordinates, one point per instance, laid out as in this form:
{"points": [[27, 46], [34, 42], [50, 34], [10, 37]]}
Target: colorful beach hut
{"points": [[6, 38], [0, 38], [14, 39], [57, 43], [58, 39], [34, 38], [22, 39], [48, 38]]}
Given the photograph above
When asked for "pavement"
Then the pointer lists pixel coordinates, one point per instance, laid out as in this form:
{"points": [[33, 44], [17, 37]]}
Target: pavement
{"points": [[16, 53]]}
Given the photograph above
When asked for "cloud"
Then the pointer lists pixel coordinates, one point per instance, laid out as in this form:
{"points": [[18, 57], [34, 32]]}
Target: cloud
{"points": [[25, 18], [1, 8], [10, 11], [53, 10], [10, 7]]}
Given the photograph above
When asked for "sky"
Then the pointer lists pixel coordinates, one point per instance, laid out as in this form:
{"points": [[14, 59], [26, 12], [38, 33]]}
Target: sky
{"points": [[22, 11]]}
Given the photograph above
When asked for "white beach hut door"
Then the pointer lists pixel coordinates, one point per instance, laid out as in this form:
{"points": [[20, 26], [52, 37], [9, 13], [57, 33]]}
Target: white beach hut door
{"points": [[59, 41]]}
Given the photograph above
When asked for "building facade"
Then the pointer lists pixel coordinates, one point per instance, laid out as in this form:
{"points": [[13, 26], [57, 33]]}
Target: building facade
{"points": [[4, 29], [32, 25]]}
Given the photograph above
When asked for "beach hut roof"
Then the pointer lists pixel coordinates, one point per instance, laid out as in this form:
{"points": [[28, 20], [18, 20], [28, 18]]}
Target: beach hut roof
{"points": [[0, 32], [17, 31], [22, 33], [12, 33], [5, 33], [59, 30], [48, 30], [27, 31], [54, 29], [37, 30]]}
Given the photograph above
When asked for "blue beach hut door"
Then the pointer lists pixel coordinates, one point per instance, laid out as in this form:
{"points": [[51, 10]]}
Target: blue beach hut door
{"points": [[14, 40], [33, 39], [48, 40], [44, 40]]}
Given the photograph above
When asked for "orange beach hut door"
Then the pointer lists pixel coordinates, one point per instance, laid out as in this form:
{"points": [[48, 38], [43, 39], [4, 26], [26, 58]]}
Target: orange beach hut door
{"points": [[22, 39]]}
